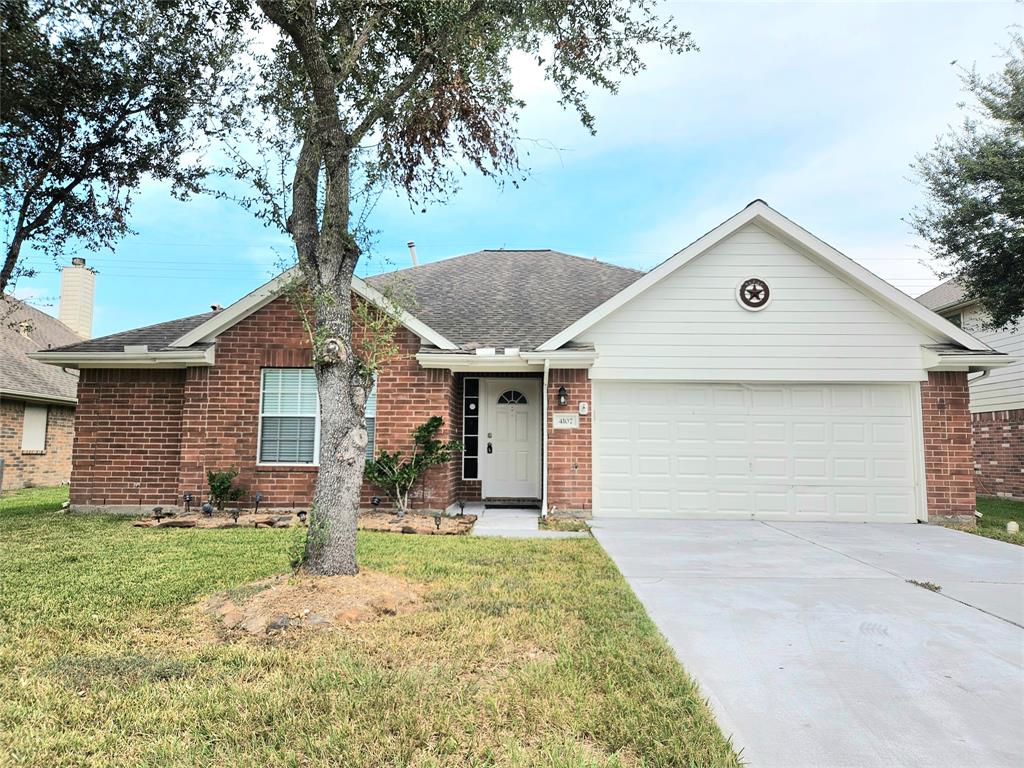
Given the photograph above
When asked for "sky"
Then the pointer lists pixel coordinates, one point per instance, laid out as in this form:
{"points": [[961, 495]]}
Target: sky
{"points": [[819, 109]]}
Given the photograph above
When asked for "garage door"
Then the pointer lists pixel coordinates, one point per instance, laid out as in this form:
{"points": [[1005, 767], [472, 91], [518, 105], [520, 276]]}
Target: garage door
{"points": [[771, 452]]}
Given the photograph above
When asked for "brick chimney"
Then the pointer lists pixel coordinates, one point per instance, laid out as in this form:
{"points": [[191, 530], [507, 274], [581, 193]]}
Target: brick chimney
{"points": [[77, 286]]}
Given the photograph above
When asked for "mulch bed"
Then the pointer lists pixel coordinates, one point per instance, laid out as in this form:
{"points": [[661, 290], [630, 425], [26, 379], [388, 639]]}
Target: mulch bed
{"points": [[412, 522]]}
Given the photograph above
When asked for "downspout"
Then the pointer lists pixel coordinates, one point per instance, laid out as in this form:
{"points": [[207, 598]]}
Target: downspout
{"points": [[984, 375], [544, 443]]}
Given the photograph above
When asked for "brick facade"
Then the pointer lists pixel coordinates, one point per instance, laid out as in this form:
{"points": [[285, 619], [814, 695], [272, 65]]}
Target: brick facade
{"points": [[52, 466], [570, 488], [999, 453], [127, 437], [948, 453], [148, 436]]}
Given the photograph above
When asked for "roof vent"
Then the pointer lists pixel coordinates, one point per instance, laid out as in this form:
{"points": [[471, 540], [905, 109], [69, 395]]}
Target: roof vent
{"points": [[216, 307], [485, 351], [136, 348], [412, 253]]}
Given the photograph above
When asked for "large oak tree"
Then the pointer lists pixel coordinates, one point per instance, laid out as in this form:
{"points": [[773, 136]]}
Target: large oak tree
{"points": [[408, 94]]}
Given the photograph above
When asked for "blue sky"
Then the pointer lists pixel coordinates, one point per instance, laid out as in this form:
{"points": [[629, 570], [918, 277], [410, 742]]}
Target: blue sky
{"points": [[818, 109]]}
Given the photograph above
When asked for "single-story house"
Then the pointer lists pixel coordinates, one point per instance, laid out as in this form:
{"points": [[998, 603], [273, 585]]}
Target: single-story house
{"points": [[757, 373], [37, 401], [997, 397]]}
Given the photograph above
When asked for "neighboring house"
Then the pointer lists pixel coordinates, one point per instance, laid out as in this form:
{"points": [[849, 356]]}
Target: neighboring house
{"points": [[37, 401], [758, 373], [997, 399]]}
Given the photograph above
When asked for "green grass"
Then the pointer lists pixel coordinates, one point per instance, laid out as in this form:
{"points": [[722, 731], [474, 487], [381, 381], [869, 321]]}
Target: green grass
{"points": [[996, 513], [564, 524], [531, 653]]}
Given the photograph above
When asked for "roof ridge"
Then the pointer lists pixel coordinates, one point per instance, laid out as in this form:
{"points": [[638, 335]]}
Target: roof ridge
{"points": [[439, 262]]}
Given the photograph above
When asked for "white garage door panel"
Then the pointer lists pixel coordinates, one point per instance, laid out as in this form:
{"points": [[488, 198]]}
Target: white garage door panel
{"points": [[786, 452]]}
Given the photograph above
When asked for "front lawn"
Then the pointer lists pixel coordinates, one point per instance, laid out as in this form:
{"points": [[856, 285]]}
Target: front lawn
{"points": [[995, 514], [531, 653]]}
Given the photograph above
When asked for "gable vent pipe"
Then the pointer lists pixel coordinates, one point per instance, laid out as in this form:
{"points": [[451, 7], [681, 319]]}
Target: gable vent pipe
{"points": [[412, 253]]}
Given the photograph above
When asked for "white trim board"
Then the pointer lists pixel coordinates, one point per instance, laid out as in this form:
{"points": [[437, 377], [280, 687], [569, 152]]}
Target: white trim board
{"points": [[764, 215], [269, 291]]}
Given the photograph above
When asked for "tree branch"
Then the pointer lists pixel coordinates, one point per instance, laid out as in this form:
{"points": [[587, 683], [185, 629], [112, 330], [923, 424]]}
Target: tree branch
{"points": [[425, 58], [349, 63]]}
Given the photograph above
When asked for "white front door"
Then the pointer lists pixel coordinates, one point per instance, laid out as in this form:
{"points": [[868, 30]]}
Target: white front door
{"points": [[510, 443]]}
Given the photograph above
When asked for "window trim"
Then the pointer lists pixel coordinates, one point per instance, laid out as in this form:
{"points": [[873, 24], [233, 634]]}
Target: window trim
{"points": [[259, 427], [370, 454], [464, 455]]}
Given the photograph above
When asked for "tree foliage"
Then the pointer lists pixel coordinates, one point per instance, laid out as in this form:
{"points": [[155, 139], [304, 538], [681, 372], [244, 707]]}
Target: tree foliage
{"points": [[360, 95], [974, 177], [97, 96]]}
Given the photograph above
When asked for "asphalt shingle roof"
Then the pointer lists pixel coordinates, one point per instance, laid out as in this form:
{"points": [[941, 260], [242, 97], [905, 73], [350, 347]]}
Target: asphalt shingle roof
{"points": [[488, 298], [157, 337], [25, 329], [507, 298], [941, 296]]}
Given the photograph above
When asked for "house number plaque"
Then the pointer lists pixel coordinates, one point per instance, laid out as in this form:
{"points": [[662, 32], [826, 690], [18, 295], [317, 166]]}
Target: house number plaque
{"points": [[565, 420]]}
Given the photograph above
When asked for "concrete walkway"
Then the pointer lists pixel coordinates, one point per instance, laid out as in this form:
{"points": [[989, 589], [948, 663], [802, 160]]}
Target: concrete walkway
{"points": [[514, 524], [814, 650]]}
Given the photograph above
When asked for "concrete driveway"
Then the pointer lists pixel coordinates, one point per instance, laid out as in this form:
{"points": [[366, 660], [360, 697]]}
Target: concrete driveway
{"points": [[814, 650]]}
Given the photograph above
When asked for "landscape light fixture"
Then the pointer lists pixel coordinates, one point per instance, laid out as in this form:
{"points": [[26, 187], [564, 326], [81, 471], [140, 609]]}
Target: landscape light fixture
{"points": [[188, 503], [302, 515], [462, 507], [158, 513], [437, 521], [207, 509], [563, 397], [234, 512], [375, 501], [259, 498]]}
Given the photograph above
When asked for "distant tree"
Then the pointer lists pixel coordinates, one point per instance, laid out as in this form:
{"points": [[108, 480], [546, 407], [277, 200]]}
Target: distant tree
{"points": [[361, 93], [95, 96], [974, 176]]}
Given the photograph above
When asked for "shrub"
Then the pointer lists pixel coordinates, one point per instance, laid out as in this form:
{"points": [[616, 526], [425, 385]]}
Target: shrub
{"points": [[397, 474], [223, 488]]}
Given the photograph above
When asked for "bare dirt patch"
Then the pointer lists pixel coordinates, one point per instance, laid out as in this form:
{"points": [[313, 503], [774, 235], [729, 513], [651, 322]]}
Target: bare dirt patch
{"points": [[286, 603]]}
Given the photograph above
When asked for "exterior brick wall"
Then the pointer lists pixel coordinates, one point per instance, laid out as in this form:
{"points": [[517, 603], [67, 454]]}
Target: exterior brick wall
{"points": [[127, 437], [407, 395], [148, 436], [948, 453], [999, 453], [53, 465], [570, 450]]}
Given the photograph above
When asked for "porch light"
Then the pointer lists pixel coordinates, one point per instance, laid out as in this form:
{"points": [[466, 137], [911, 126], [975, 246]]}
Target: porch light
{"points": [[563, 396]]}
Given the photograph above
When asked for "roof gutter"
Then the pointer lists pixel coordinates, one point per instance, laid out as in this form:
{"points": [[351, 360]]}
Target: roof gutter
{"points": [[182, 358], [933, 361], [16, 394], [524, 361]]}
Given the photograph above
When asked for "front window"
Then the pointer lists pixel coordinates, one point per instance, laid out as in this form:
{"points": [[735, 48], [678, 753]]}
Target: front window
{"points": [[957, 319], [289, 417]]}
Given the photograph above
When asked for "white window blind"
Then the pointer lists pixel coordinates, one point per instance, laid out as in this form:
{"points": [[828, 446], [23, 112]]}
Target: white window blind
{"points": [[289, 416], [371, 421], [33, 433]]}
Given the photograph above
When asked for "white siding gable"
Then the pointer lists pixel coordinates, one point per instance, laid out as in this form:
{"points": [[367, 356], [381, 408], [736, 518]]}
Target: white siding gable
{"points": [[1003, 388], [689, 327]]}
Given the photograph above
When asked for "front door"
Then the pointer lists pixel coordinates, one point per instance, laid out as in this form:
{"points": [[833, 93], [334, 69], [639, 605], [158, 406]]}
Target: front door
{"points": [[511, 438]]}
